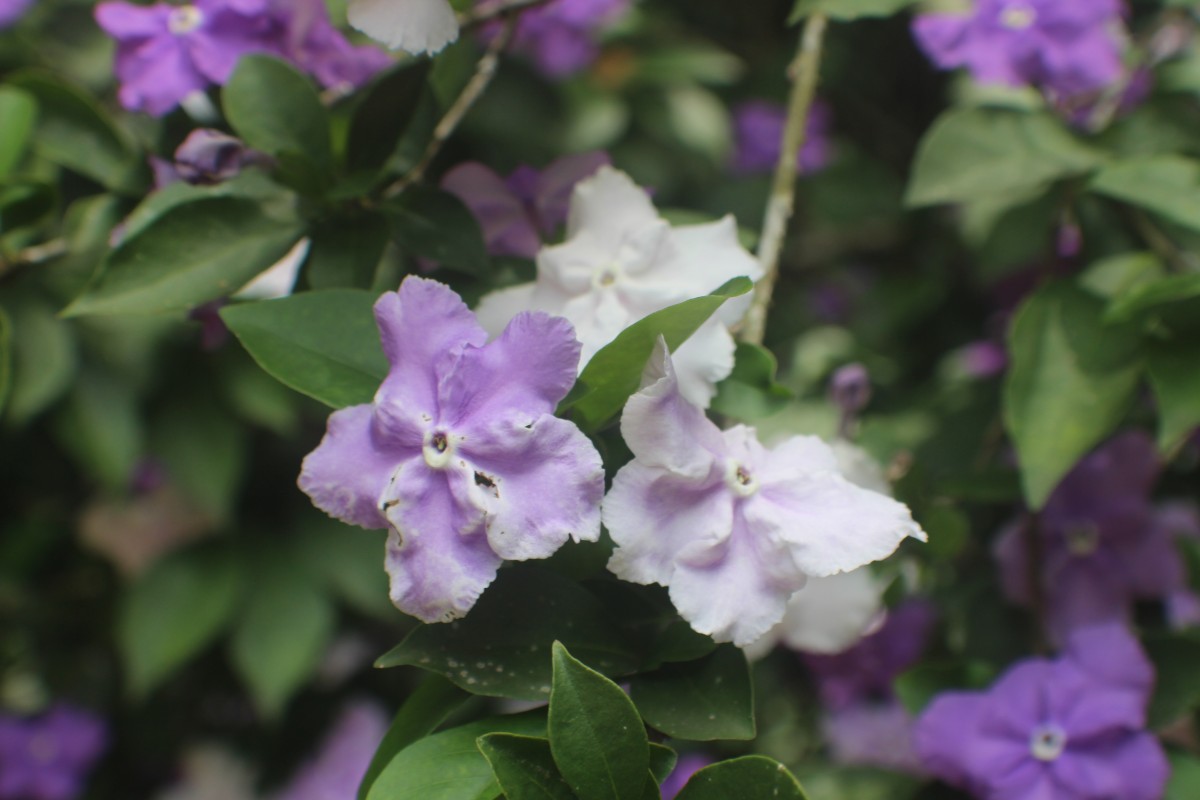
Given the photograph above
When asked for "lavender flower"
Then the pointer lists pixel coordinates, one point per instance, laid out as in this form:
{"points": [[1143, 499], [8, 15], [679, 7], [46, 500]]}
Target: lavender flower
{"points": [[310, 41], [731, 528], [518, 212], [872, 734], [12, 10], [758, 132], [687, 766], [343, 759], [459, 455], [1068, 47], [1071, 728], [208, 157], [560, 36], [1100, 546], [48, 757]]}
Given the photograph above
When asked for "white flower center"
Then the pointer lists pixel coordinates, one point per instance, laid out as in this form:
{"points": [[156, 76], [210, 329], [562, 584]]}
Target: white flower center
{"points": [[1048, 742], [607, 276], [1083, 540], [184, 19], [1018, 17], [739, 479], [437, 449]]}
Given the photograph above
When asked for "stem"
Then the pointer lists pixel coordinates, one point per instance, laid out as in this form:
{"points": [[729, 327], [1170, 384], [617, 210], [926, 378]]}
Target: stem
{"points": [[487, 13], [1176, 259], [805, 71], [485, 71], [34, 254]]}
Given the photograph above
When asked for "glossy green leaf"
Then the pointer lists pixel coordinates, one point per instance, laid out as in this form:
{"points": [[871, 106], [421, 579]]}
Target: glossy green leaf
{"points": [[1151, 296], [596, 735], [448, 765], [502, 648], [662, 761], [425, 709], [615, 372], [193, 253], [971, 153], [847, 9], [702, 700], [345, 252], [746, 778], [434, 224], [1072, 379], [173, 611], [281, 633], [1176, 688], [322, 344], [1168, 185], [44, 357], [251, 184], [386, 110], [524, 767], [18, 109], [1174, 370]]}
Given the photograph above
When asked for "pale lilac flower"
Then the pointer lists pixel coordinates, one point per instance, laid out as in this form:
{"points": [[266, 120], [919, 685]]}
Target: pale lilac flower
{"points": [[415, 26], [560, 36], [1101, 548], [731, 528], [872, 734], [758, 133], [1072, 728], [12, 10], [339, 766], [459, 455], [1068, 47], [48, 757], [982, 359], [849, 392], [518, 212], [310, 41], [687, 766], [621, 262], [207, 157]]}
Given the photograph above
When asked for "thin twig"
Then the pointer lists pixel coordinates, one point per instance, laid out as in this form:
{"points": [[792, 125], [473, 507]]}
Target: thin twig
{"points": [[1175, 258], [485, 70], [805, 71], [35, 254], [491, 11]]}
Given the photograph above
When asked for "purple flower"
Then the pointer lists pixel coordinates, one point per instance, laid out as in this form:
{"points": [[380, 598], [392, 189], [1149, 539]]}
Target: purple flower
{"points": [[518, 212], [758, 133], [687, 766], [311, 42], [48, 757], [866, 670], [1067, 47], [1065, 729], [983, 359], [731, 528], [208, 157], [1101, 548], [12, 10], [872, 734], [459, 455], [560, 36], [343, 758]]}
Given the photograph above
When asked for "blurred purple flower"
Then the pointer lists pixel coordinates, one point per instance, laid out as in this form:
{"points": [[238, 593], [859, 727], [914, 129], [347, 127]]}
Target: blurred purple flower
{"points": [[518, 212], [311, 42], [1068, 47], [1181, 521], [983, 359], [849, 392], [687, 766], [560, 36], [209, 157], [12, 10], [758, 132], [213, 331], [339, 766], [866, 670], [1071, 728], [872, 734], [49, 756], [1101, 545]]}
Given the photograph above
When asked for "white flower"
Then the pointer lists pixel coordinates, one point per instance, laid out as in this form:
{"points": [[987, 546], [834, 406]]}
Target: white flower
{"points": [[415, 26], [621, 262]]}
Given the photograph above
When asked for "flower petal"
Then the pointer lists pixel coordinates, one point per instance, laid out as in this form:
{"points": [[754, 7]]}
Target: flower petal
{"points": [[415, 26], [496, 309], [556, 183], [609, 205], [507, 228], [832, 613], [704, 360]]}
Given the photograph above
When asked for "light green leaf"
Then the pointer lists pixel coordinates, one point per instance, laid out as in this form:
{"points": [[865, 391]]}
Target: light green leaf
{"points": [[1150, 296], [1185, 777], [746, 778], [847, 9], [1118, 276], [972, 153], [1174, 370], [1168, 185], [322, 344], [596, 735], [18, 109], [1072, 379], [703, 700], [193, 253], [524, 767], [751, 391]]}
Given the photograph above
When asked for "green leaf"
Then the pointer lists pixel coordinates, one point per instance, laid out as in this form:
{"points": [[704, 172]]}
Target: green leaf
{"points": [[596, 735], [1184, 783], [322, 344], [917, 687], [347, 558], [500, 649], [751, 391], [1151, 296], [345, 252], [662, 761], [434, 224], [1072, 380], [251, 184], [524, 767], [384, 114], [1176, 688], [274, 107], [44, 358], [424, 710], [193, 253], [204, 450], [448, 765], [1119, 275], [746, 778], [971, 153], [24, 203], [1174, 370], [6, 359], [173, 611], [101, 425], [1168, 185], [847, 9], [281, 633], [703, 700], [615, 372], [18, 109]]}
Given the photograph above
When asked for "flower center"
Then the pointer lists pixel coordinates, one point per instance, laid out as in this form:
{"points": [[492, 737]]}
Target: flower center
{"points": [[740, 479], [1018, 17], [1048, 742], [437, 449], [606, 276], [184, 19], [1083, 540]]}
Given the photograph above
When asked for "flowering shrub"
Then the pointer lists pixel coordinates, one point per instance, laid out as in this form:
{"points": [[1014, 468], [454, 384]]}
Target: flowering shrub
{"points": [[600, 399]]}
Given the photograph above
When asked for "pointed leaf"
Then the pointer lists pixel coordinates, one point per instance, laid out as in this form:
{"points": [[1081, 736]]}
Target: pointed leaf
{"points": [[746, 778], [710, 698], [1174, 370], [524, 767], [1168, 185]]}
